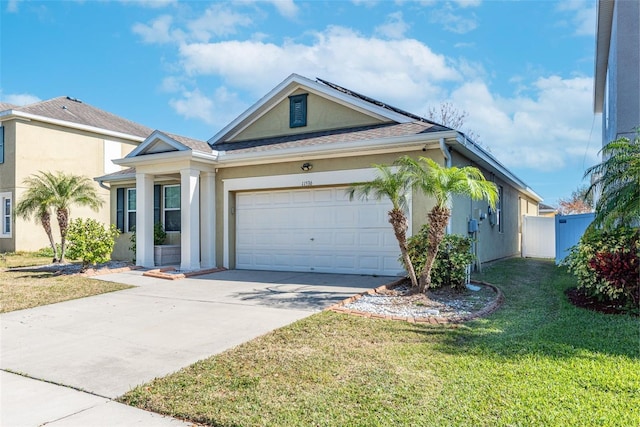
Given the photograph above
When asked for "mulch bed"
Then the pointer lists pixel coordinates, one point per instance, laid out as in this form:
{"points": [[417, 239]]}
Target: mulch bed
{"points": [[580, 299]]}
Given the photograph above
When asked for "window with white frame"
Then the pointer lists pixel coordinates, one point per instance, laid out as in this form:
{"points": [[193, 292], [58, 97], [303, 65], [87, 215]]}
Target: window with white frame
{"points": [[171, 207], [5, 228], [131, 209]]}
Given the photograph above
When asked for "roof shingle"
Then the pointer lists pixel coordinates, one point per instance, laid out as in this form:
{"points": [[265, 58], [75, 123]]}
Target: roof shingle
{"points": [[75, 111], [363, 133]]}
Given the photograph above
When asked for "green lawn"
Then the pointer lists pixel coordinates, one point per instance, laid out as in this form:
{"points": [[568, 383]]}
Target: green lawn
{"points": [[26, 289], [537, 361]]}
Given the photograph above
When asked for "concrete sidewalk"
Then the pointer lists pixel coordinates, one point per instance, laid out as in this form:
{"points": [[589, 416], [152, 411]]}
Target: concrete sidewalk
{"points": [[109, 343]]}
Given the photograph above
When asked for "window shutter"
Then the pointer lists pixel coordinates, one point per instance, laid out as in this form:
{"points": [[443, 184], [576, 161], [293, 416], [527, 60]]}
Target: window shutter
{"points": [[120, 209], [298, 110], [157, 197]]}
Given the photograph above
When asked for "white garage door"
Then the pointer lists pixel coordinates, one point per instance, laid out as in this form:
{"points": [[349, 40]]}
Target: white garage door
{"points": [[316, 230]]}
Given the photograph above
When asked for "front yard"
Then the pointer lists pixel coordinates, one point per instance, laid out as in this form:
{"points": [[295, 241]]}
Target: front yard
{"points": [[20, 289], [536, 361]]}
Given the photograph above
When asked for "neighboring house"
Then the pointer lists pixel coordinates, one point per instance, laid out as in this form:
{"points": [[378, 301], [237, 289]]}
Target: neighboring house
{"points": [[546, 210], [267, 192], [617, 68], [60, 134]]}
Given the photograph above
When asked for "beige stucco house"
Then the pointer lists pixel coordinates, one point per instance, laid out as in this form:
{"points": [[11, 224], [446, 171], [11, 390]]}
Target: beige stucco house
{"points": [[268, 190], [60, 134]]}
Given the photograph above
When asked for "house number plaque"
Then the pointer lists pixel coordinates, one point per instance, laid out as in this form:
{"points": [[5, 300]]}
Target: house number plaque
{"points": [[307, 183]]}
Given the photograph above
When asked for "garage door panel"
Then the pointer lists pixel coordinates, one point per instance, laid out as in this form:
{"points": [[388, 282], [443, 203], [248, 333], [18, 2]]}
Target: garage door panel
{"points": [[314, 230]]}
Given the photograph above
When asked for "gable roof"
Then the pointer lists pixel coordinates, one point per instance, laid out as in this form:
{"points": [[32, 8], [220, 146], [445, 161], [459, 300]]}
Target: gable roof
{"points": [[72, 112], [338, 94], [162, 142]]}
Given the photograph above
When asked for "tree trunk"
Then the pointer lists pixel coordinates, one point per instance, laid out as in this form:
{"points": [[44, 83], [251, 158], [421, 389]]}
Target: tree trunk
{"points": [[438, 219], [45, 220], [63, 222], [400, 225]]}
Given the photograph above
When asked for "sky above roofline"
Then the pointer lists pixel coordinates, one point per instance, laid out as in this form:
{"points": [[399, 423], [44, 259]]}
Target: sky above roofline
{"points": [[523, 71]]}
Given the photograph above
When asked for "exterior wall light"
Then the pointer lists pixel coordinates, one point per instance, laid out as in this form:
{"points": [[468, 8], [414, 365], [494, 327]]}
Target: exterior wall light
{"points": [[306, 167]]}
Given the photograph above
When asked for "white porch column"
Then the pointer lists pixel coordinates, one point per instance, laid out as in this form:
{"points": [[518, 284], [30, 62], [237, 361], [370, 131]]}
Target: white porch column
{"points": [[208, 219], [190, 219], [144, 220]]}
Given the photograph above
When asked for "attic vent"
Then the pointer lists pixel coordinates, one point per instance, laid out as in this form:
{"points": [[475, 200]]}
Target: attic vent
{"points": [[74, 99], [298, 110]]}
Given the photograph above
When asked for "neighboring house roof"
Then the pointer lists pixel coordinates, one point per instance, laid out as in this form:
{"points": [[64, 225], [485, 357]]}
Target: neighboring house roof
{"points": [[603, 43], [6, 106], [546, 208], [72, 112]]}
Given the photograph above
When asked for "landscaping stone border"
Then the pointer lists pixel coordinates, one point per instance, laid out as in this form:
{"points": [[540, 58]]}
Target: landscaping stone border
{"points": [[169, 273], [434, 320], [106, 270]]}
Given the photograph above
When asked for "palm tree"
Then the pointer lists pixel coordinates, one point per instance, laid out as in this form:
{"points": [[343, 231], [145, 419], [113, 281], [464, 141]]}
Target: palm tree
{"points": [[618, 179], [395, 186], [58, 191], [441, 183], [70, 190], [37, 201]]}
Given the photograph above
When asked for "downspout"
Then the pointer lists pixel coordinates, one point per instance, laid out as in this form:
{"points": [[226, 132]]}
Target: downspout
{"points": [[447, 163], [101, 184]]}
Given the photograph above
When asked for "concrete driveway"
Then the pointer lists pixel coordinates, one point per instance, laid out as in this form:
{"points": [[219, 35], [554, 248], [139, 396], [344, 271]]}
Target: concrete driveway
{"points": [[108, 344]]}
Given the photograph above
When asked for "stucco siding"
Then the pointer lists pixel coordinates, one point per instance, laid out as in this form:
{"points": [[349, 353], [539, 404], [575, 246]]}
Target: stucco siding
{"points": [[50, 148], [621, 112], [493, 241], [322, 114]]}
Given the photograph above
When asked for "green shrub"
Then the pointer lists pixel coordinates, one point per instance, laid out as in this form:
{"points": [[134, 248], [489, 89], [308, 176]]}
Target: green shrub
{"points": [[90, 242], [606, 264], [47, 252], [159, 237], [450, 265]]}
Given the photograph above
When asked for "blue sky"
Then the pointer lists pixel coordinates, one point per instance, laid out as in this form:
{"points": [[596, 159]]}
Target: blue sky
{"points": [[522, 70]]}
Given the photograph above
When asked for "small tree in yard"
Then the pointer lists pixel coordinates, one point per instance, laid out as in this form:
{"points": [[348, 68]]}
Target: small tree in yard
{"points": [[90, 241], [395, 186], [59, 191], [441, 183]]}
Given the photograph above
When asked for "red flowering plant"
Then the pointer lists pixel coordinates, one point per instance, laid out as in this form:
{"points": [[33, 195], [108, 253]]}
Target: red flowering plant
{"points": [[607, 265]]}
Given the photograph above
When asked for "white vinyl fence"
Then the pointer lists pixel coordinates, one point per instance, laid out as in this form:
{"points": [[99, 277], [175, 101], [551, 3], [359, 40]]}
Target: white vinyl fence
{"points": [[538, 237]]}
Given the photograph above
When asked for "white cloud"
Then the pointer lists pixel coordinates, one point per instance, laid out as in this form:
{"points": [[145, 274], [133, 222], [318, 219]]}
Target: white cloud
{"points": [[584, 16], [12, 6], [468, 3], [159, 31], [407, 67], [394, 28], [217, 110], [454, 22], [20, 99], [286, 8], [152, 4], [217, 20], [544, 131], [194, 105]]}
